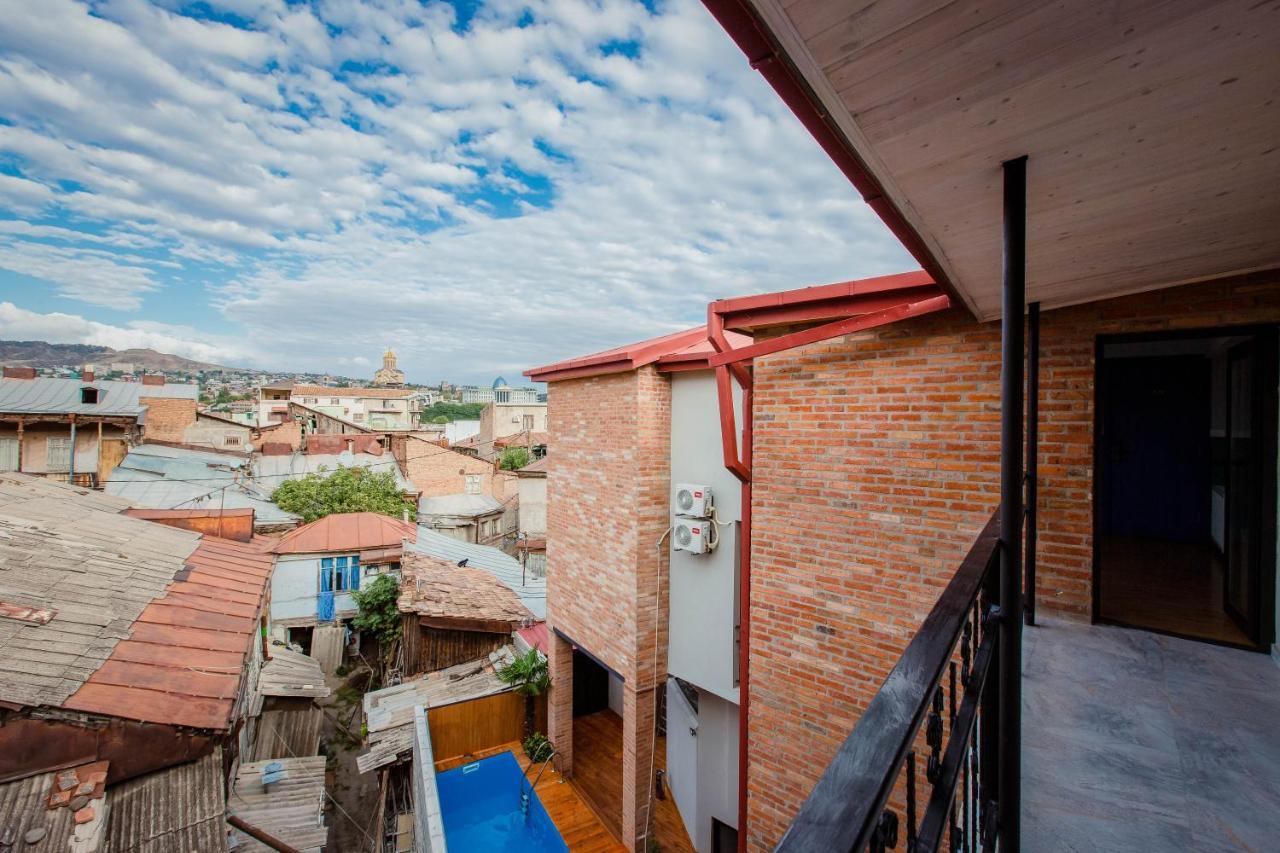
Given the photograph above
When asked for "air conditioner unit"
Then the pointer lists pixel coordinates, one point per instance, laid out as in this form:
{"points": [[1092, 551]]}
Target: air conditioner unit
{"points": [[692, 535], [693, 500]]}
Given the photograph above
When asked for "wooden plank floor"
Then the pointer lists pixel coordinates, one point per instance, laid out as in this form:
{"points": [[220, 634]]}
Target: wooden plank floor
{"points": [[578, 823], [597, 773]]}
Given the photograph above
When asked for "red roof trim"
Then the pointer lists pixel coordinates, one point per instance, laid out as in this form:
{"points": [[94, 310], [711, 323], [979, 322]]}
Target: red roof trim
{"points": [[619, 359], [825, 302]]}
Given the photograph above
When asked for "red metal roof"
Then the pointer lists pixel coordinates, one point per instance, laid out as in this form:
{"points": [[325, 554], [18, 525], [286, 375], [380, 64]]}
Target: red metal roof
{"points": [[825, 302], [347, 531], [694, 356], [184, 658], [537, 637], [619, 359]]}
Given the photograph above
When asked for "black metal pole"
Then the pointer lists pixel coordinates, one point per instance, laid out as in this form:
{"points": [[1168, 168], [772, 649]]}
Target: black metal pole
{"points": [[1011, 414], [1033, 452]]}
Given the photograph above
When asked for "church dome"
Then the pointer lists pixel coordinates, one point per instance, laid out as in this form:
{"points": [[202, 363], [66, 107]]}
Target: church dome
{"points": [[499, 383]]}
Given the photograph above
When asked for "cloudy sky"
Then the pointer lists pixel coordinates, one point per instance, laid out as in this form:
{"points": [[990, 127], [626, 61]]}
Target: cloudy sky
{"points": [[484, 187]]}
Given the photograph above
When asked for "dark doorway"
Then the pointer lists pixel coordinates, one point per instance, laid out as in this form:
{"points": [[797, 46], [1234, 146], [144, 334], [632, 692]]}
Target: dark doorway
{"points": [[1184, 501], [590, 685]]}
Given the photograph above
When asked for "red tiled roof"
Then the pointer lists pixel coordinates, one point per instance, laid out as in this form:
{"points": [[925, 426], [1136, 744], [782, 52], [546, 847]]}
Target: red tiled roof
{"points": [[538, 467], [347, 531], [521, 439], [619, 359], [183, 660], [334, 443], [537, 637]]}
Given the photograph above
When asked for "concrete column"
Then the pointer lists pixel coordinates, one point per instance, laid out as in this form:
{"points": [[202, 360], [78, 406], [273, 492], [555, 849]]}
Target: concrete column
{"points": [[637, 765], [560, 702]]}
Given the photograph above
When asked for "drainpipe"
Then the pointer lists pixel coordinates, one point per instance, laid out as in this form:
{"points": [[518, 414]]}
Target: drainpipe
{"points": [[71, 463]]}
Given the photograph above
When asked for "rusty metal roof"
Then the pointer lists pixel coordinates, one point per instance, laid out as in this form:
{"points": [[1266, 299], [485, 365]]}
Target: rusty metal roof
{"points": [[185, 655], [347, 531], [180, 808]]}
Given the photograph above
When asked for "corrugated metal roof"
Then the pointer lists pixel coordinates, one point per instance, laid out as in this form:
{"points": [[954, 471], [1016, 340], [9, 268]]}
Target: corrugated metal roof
{"points": [[153, 476], [347, 531], [183, 659], [271, 471], [536, 637], [459, 505], [292, 809], [24, 807], [72, 552], [531, 591], [179, 808], [62, 396]]}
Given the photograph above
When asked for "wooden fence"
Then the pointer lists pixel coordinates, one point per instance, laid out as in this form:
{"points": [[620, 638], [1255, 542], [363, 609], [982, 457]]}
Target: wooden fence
{"points": [[469, 727]]}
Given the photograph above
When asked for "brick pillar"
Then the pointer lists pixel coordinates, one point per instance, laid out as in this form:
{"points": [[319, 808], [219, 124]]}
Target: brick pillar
{"points": [[560, 702], [637, 765]]}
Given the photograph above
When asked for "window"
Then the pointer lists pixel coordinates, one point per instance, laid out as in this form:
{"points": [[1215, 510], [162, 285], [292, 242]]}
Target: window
{"points": [[231, 440], [473, 484], [339, 574], [528, 422], [358, 417], [333, 401], [89, 396], [536, 564], [58, 455]]}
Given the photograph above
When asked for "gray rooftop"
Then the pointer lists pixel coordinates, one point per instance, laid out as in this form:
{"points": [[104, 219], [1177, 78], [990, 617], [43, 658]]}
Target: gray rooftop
{"points": [[271, 471], [70, 551], [45, 395], [531, 591], [459, 505]]}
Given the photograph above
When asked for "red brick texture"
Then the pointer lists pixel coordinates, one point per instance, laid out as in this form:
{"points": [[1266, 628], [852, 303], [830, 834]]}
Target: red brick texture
{"points": [[437, 471], [607, 509], [876, 463], [167, 417]]}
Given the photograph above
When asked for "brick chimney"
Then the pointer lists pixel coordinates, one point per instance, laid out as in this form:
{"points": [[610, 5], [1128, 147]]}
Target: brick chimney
{"points": [[19, 373], [153, 379], [86, 375]]}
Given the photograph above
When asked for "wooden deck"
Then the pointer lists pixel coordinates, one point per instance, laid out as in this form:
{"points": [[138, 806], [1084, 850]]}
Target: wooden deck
{"points": [[597, 773], [577, 822]]}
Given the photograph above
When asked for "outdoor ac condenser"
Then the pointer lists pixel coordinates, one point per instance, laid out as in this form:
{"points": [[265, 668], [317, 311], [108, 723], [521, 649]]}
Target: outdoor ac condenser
{"points": [[692, 535], [692, 500]]}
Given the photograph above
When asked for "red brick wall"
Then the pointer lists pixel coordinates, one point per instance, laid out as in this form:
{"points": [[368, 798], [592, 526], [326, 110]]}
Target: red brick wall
{"points": [[607, 508], [437, 471], [876, 463], [167, 417]]}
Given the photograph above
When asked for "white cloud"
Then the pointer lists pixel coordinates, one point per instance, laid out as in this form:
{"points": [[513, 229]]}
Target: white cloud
{"points": [[496, 196], [19, 324]]}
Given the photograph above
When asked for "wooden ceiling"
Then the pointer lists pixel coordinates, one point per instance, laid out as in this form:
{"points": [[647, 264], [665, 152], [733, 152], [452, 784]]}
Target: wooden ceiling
{"points": [[1153, 131]]}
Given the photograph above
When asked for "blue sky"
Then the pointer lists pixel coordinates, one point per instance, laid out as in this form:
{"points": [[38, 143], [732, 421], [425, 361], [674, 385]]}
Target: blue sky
{"points": [[482, 186]]}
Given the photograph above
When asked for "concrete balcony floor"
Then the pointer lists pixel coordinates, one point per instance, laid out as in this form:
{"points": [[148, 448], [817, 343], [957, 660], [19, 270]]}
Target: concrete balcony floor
{"points": [[1134, 741]]}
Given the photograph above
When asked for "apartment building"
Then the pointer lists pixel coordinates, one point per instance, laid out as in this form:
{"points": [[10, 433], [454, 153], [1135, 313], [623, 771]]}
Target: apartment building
{"points": [[507, 424]]}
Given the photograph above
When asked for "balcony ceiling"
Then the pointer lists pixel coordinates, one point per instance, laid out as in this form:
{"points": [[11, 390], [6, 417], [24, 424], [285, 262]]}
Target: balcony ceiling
{"points": [[1153, 130]]}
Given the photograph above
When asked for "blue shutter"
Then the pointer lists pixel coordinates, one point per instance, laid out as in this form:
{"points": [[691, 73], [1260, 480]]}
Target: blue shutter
{"points": [[324, 601], [353, 581]]}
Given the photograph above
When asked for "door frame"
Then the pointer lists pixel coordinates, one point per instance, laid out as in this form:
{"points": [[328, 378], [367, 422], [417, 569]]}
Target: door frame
{"points": [[1269, 375]]}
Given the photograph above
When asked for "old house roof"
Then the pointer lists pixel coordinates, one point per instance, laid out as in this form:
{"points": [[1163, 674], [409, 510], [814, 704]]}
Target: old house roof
{"points": [[522, 439], [183, 661], [537, 468], [531, 591], [291, 673], [290, 809], [440, 589], [460, 505], [347, 531], [535, 636], [113, 615], [354, 391], [271, 471], [47, 395], [178, 808]]}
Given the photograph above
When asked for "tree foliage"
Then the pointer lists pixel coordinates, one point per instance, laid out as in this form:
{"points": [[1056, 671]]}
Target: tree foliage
{"points": [[452, 411], [352, 489], [528, 675], [378, 612], [514, 458]]}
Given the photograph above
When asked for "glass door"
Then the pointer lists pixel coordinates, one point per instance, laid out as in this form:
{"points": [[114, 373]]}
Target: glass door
{"points": [[1242, 578]]}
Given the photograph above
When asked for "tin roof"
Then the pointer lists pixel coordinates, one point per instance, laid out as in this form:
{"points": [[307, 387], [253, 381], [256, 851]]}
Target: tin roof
{"points": [[531, 591], [536, 468], [535, 636], [347, 531], [619, 359], [460, 505], [291, 808], [441, 589], [184, 657], [48, 395], [271, 471], [179, 808]]}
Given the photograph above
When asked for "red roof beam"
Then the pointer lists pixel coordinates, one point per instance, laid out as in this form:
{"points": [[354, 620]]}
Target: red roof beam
{"points": [[827, 302]]}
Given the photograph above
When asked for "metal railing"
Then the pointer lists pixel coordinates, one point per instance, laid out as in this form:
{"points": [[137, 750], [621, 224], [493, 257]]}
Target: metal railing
{"points": [[946, 682]]}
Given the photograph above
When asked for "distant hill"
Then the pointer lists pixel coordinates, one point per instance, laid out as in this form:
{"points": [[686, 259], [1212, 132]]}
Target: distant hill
{"points": [[43, 354]]}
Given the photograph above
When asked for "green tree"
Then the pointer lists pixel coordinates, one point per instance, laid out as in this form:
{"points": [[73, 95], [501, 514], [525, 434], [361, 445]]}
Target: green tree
{"points": [[380, 616], [514, 458], [440, 419], [528, 676], [352, 489], [451, 412]]}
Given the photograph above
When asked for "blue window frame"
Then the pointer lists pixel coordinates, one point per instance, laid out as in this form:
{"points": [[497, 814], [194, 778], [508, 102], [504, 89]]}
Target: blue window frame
{"points": [[339, 574]]}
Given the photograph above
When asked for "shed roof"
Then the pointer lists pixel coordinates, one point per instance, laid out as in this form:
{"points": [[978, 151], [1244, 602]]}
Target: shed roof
{"points": [[347, 531], [532, 591], [441, 589], [48, 395]]}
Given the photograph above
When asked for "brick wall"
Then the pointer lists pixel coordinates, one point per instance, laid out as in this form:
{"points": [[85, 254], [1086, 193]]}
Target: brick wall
{"points": [[876, 463], [607, 494], [167, 418], [436, 470]]}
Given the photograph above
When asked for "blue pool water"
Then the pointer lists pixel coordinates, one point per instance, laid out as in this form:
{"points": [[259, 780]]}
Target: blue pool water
{"points": [[480, 805]]}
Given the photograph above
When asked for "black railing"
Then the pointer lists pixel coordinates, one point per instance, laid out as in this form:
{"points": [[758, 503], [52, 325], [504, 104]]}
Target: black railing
{"points": [[945, 682]]}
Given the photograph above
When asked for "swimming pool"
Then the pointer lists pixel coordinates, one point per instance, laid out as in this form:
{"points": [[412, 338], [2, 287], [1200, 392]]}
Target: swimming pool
{"points": [[480, 805]]}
